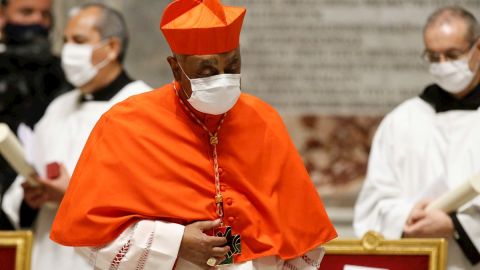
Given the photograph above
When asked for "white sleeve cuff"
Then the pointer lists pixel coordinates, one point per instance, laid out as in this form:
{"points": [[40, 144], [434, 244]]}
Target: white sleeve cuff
{"points": [[310, 261], [394, 221], [152, 245], [165, 246]]}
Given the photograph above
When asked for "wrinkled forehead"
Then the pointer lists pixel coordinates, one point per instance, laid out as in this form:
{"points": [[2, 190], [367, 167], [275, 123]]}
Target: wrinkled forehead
{"points": [[451, 34], [83, 21]]}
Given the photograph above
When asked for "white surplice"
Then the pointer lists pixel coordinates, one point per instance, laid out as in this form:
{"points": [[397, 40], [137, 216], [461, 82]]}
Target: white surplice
{"points": [[60, 137], [154, 245], [418, 153]]}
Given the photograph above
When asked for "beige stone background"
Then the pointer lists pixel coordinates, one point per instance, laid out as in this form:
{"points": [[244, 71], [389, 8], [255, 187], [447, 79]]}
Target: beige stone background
{"points": [[333, 68]]}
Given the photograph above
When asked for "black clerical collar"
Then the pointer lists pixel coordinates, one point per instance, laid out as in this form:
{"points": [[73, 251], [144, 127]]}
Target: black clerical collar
{"points": [[108, 92], [442, 101]]}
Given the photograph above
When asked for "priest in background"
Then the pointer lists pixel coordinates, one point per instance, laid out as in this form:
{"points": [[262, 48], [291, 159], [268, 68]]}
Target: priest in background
{"points": [[95, 44], [194, 174], [429, 145]]}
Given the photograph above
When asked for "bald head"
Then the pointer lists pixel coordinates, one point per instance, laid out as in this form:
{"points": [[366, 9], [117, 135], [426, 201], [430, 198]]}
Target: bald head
{"points": [[454, 18]]}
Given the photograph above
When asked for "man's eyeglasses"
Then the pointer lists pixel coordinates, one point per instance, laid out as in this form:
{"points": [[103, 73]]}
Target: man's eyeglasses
{"points": [[450, 55]]}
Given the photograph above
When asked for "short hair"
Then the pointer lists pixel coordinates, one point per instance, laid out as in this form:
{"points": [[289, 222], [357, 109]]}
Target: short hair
{"points": [[445, 14], [111, 24]]}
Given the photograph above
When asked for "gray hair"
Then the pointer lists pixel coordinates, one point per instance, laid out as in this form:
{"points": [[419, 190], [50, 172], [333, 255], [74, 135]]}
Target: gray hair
{"points": [[111, 24], [446, 14]]}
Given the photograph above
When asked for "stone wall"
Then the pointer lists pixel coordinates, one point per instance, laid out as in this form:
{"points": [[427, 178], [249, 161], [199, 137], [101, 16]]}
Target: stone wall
{"points": [[305, 56]]}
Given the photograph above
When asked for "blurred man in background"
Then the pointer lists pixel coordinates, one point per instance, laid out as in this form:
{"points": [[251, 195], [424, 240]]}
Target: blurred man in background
{"points": [[30, 75], [429, 145], [96, 40]]}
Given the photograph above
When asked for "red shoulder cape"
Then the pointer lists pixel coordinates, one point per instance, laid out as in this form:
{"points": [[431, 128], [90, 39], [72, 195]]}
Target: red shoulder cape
{"points": [[147, 159]]}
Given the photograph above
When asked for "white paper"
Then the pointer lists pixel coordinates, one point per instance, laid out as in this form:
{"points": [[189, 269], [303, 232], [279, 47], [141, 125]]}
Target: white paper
{"points": [[457, 197], [12, 151]]}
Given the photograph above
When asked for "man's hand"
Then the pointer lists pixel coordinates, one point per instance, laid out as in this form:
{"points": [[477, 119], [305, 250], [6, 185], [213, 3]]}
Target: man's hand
{"points": [[55, 188], [197, 247], [421, 223], [34, 196], [47, 190]]}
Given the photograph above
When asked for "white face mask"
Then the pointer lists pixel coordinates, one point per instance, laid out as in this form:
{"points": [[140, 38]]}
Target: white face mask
{"points": [[77, 63], [215, 94], [452, 76]]}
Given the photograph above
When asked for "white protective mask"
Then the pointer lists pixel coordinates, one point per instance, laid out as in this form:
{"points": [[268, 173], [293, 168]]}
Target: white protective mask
{"points": [[215, 94], [452, 76], [77, 63]]}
